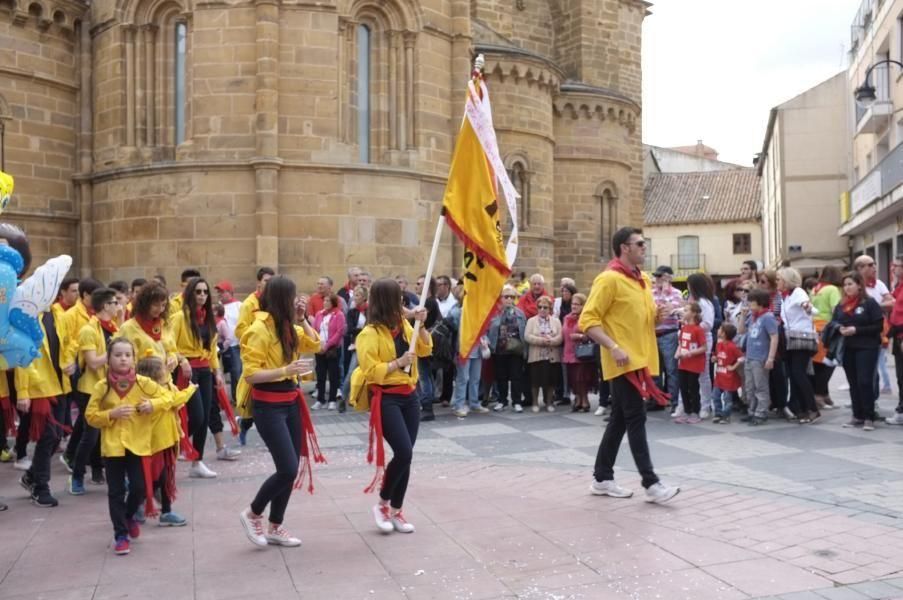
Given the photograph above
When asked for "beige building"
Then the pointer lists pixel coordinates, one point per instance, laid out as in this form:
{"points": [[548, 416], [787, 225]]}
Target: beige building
{"points": [[803, 168], [873, 208], [150, 135], [703, 222]]}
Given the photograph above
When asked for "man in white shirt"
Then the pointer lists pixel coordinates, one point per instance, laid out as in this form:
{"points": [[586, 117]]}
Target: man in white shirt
{"points": [[443, 294], [231, 353], [874, 287]]}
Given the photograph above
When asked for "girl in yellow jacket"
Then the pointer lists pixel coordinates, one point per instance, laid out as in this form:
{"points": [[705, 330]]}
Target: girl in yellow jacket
{"points": [[122, 407], [166, 435], [271, 349], [194, 333], [383, 352]]}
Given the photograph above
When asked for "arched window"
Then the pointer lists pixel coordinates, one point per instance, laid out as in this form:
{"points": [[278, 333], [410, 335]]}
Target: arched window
{"points": [[607, 197], [520, 177], [377, 67], [363, 93]]}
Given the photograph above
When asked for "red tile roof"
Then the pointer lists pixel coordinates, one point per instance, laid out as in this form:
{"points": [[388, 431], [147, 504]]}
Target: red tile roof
{"points": [[713, 197]]}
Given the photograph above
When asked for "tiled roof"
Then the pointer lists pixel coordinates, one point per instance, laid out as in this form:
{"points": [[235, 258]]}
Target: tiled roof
{"points": [[714, 197]]}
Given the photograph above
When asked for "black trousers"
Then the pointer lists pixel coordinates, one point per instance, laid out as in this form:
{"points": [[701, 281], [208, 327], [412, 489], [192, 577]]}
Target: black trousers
{"points": [[860, 366], [778, 385], [89, 444], [327, 366], [822, 378], [509, 369], [203, 410], [689, 391], [401, 421], [898, 367], [800, 384], [123, 508], [279, 425], [39, 472], [628, 414], [22, 434]]}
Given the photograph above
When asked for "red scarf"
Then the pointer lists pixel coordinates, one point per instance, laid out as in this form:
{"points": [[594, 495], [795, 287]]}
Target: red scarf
{"points": [[90, 311], [870, 282], [121, 384], [758, 313], [849, 304], [362, 308], [153, 328], [258, 295], [617, 265], [819, 287], [65, 305], [109, 326], [200, 314]]}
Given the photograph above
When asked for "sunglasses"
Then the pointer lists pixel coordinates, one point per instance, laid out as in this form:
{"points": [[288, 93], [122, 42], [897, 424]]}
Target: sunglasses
{"points": [[544, 308], [640, 244], [201, 292]]}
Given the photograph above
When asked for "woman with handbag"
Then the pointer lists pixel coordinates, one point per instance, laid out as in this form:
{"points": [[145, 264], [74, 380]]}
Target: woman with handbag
{"points": [[802, 341], [506, 341], [861, 320], [330, 324], [543, 337], [578, 355]]}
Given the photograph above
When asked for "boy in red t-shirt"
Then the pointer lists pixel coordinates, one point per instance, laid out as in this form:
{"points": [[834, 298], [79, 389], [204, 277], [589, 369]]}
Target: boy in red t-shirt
{"points": [[728, 359], [690, 354]]}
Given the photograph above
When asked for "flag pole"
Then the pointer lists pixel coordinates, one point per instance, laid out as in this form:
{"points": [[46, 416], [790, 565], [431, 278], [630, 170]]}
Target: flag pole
{"points": [[424, 293]]}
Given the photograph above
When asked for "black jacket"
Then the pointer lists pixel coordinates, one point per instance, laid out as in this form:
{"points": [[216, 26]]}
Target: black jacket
{"points": [[867, 318]]}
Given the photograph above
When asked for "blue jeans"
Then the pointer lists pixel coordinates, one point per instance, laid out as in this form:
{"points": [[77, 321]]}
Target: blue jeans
{"points": [[346, 382], [232, 361], [467, 384], [667, 347], [425, 384], [722, 401]]}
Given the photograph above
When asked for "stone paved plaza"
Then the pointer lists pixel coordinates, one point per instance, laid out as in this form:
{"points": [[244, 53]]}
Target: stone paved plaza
{"points": [[502, 510]]}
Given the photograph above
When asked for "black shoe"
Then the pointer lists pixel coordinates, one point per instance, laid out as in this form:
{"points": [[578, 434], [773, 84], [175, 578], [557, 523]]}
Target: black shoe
{"points": [[97, 477], [654, 406], [3, 507], [746, 419], [27, 482], [427, 416], [44, 500], [562, 402]]}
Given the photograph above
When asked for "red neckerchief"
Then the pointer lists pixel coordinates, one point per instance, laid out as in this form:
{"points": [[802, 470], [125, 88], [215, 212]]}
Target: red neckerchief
{"points": [[617, 265], [121, 384], [90, 310], [219, 319], [870, 282], [258, 294], [849, 304], [362, 308], [819, 287], [153, 328], [64, 305], [758, 313], [201, 314], [109, 326]]}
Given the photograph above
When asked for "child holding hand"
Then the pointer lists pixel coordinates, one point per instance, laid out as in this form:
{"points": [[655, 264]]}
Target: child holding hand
{"points": [[121, 407], [691, 350], [728, 359]]}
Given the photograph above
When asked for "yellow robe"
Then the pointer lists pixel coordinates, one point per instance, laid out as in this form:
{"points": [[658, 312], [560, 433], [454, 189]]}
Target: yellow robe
{"points": [[187, 345], [91, 338], [375, 350], [133, 433], [166, 427]]}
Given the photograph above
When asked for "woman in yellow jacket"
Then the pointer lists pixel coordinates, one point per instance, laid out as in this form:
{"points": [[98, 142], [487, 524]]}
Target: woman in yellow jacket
{"points": [[122, 406], [147, 327], [41, 390], [271, 349], [194, 333], [383, 351]]}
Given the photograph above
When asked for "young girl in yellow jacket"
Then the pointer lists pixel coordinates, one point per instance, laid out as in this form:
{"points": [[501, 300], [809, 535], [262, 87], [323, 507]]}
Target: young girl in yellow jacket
{"points": [[271, 350], [122, 407], [194, 333], [165, 438], [383, 352]]}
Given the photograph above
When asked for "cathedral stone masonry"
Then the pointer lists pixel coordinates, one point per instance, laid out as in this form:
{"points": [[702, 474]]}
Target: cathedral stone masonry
{"points": [[146, 136]]}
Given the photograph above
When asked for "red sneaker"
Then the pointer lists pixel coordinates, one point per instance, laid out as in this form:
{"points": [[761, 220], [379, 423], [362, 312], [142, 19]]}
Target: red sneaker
{"points": [[134, 529], [121, 546]]}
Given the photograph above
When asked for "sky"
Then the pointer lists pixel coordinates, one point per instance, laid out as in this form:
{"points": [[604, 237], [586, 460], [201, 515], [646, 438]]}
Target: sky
{"points": [[713, 69]]}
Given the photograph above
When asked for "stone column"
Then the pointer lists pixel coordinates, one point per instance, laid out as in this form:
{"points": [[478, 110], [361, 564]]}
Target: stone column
{"points": [[129, 34], [85, 231], [410, 38], [393, 95], [266, 163], [150, 54]]}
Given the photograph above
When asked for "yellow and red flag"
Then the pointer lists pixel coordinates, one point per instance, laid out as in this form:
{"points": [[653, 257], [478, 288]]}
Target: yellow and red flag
{"points": [[471, 209]]}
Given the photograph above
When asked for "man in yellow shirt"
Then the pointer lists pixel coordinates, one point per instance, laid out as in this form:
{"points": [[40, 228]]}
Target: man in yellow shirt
{"points": [[620, 316], [177, 299], [251, 304]]}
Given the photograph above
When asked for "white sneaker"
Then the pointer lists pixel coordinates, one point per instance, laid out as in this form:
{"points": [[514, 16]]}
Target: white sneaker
{"points": [[678, 412], [481, 410], [600, 411], [22, 464], [705, 414], [253, 527], [550, 408], [897, 419], [660, 493], [331, 406], [383, 518], [535, 408], [226, 453], [518, 408], [788, 414], [609, 488], [277, 536], [317, 405], [498, 407], [401, 524], [460, 413], [199, 470]]}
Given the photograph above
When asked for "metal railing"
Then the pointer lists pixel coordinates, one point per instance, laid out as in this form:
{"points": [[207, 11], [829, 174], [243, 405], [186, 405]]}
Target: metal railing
{"points": [[878, 182], [686, 264]]}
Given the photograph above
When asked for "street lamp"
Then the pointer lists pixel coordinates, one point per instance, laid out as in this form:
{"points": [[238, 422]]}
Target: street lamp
{"points": [[865, 93]]}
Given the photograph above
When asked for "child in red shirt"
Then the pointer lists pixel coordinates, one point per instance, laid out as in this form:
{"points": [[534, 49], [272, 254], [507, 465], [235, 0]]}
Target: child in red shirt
{"points": [[728, 359], [690, 353]]}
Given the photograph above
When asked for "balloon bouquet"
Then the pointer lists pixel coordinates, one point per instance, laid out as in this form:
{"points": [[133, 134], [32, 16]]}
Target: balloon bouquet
{"points": [[21, 305]]}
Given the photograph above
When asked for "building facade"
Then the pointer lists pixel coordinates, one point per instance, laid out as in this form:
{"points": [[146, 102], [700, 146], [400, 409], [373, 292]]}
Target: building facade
{"points": [[803, 167], [873, 207], [150, 135]]}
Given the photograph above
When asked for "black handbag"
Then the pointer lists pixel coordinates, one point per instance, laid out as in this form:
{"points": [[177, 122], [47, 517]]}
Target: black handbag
{"points": [[585, 351]]}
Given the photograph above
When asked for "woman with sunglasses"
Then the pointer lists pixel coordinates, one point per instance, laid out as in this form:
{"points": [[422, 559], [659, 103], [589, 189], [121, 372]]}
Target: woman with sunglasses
{"points": [[194, 333]]}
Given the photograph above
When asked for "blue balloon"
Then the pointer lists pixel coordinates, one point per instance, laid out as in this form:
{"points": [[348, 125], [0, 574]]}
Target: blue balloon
{"points": [[20, 333]]}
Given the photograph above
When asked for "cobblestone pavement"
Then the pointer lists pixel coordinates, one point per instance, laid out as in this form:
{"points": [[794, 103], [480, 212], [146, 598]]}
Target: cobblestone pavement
{"points": [[502, 510]]}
